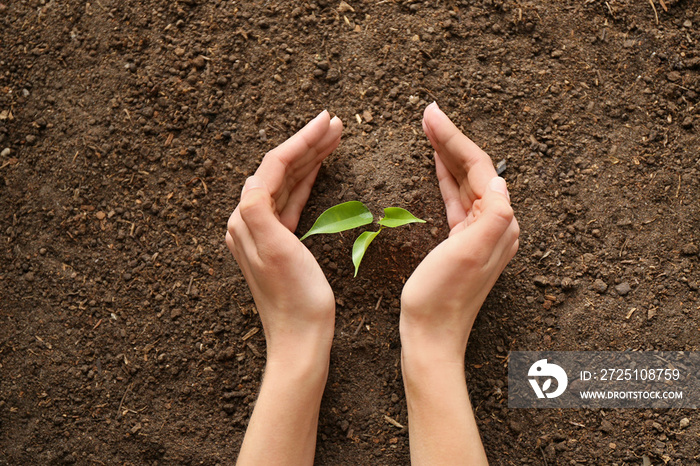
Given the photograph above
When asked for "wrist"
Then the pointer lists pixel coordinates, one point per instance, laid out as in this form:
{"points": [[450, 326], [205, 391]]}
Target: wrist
{"points": [[425, 343], [293, 340]]}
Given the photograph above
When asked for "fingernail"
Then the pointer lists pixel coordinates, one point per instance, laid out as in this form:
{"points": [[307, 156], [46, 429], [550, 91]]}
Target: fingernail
{"points": [[251, 183], [319, 115], [335, 118], [498, 184], [434, 103]]}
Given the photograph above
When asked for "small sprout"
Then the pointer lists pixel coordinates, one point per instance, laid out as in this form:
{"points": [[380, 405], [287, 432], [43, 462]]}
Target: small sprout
{"points": [[341, 217], [353, 214], [396, 217], [360, 247]]}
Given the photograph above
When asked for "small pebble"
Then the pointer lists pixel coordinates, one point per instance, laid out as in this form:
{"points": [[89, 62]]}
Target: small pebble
{"points": [[5, 152], [333, 75], [567, 284], [540, 280], [501, 167], [685, 422], [673, 76], [599, 286], [30, 138], [199, 62], [623, 288], [689, 249], [606, 426], [343, 7], [147, 111], [515, 427]]}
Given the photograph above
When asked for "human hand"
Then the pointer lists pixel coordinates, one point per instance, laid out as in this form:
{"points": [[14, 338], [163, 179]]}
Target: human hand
{"points": [[293, 297], [442, 297]]}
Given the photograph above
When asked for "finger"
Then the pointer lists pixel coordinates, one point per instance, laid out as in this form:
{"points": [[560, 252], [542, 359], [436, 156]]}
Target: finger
{"points": [[239, 240], [297, 200], [283, 167], [291, 207], [449, 188], [257, 210], [495, 218], [505, 244], [238, 232], [469, 165]]}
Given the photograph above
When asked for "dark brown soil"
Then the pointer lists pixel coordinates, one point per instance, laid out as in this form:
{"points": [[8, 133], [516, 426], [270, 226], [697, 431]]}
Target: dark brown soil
{"points": [[127, 334]]}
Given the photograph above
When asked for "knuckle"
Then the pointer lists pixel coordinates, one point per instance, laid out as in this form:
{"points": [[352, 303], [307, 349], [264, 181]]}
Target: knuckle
{"points": [[503, 214], [516, 229], [505, 211], [247, 205], [233, 225]]}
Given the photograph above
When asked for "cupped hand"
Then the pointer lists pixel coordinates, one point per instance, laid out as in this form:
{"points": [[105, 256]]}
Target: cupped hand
{"points": [[292, 296], [442, 297]]}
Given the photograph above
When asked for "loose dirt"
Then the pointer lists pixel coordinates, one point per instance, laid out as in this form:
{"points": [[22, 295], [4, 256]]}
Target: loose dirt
{"points": [[127, 334]]}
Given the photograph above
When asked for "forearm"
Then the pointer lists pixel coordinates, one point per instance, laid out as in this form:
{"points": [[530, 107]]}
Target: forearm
{"points": [[442, 426], [282, 429]]}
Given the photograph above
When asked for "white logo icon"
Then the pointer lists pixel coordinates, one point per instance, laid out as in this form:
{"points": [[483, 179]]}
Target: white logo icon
{"points": [[543, 369]]}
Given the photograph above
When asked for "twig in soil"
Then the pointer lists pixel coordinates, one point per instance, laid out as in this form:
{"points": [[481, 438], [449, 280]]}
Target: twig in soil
{"points": [[610, 9], [254, 350], [109, 13], [393, 422], [121, 403], [189, 286], [250, 333], [177, 243], [206, 191], [427, 91], [379, 301], [656, 14], [357, 330], [622, 249], [544, 457], [679, 186], [663, 5]]}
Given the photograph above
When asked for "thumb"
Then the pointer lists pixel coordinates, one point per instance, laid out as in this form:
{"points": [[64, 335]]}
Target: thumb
{"points": [[257, 210], [496, 212]]}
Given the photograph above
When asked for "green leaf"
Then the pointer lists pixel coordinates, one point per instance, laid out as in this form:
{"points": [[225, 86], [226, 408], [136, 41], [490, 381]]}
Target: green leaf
{"points": [[396, 216], [360, 247], [341, 217]]}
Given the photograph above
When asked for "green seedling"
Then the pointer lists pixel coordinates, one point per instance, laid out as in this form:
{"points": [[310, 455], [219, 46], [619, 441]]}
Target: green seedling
{"points": [[353, 214]]}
